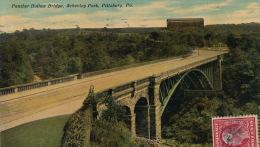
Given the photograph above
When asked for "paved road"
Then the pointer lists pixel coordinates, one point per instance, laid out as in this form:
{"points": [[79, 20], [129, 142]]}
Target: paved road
{"points": [[66, 98]]}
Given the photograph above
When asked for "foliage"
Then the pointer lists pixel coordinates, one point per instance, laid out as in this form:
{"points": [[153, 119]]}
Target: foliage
{"points": [[105, 133], [114, 112], [241, 75], [110, 130], [57, 53], [15, 67], [74, 130], [191, 122]]}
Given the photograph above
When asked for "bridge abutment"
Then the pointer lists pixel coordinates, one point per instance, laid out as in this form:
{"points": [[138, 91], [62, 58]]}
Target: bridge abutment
{"points": [[217, 74], [155, 108], [133, 127]]}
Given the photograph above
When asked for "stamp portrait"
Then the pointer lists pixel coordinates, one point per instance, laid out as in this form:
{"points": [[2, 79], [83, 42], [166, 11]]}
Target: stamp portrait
{"points": [[238, 131]]}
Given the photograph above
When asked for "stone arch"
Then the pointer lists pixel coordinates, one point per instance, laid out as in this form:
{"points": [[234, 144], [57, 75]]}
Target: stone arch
{"points": [[200, 77], [142, 118], [128, 118]]}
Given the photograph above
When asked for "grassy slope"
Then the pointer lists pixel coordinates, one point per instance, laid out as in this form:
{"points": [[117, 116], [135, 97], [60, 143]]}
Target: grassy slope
{"points": [[41, 133]]}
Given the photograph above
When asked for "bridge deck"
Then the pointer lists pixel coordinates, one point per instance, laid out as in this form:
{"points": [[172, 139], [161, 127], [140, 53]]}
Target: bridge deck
{"points": [[66, 98]]}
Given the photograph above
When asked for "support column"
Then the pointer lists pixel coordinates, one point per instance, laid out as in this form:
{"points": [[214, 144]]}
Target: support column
{"points": [[217, 74], [155, 108], [133, 132]]}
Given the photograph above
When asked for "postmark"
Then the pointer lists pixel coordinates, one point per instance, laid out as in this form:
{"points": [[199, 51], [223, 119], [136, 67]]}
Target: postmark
{"points": [[239, 131]]}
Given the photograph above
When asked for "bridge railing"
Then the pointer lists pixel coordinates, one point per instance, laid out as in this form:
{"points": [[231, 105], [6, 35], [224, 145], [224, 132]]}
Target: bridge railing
{"points": [[31, 86], [129, 86], [190, 66], [123, 87], [142, 81], [24, 87], [8, 90]]}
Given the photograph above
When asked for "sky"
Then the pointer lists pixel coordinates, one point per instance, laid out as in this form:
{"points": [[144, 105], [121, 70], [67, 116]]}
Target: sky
{"points": [[138, 13]]}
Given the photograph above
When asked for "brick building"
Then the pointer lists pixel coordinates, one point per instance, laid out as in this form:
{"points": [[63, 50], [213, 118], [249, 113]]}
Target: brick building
{"points": [[184, 22]]}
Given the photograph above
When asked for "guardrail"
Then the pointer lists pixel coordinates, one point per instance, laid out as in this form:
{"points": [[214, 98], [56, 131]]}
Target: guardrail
{"points": [[24, 87]]}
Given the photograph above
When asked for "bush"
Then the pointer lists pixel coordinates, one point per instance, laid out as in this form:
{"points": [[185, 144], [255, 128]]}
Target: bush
{"points": [[110, 130], [106, 134]]}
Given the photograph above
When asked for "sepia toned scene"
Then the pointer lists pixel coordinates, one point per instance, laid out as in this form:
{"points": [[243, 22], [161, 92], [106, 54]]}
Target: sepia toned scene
{"points": [[169, 73]]}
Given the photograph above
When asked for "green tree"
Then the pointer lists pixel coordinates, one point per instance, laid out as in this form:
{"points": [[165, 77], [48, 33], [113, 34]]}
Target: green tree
{"points": [[74, 65], [108, 131], [15, 66], [191, 122], [241, 70]]}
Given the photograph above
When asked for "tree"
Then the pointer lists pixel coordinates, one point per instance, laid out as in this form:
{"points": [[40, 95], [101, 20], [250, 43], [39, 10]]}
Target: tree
{"points": [[74, 65], [241, 70], [15, 66], [191, 121], [108, 131], [154, 35]]}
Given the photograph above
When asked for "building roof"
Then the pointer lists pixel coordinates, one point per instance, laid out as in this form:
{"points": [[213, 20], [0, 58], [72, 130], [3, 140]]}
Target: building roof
{"points": [[185, 19]]}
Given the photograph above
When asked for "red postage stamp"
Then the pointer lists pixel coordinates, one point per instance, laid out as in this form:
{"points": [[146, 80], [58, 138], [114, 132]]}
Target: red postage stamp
{"points": [[240, 131]]}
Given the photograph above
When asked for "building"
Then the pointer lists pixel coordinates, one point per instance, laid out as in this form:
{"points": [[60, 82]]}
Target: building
{"points": [[184, 22]]}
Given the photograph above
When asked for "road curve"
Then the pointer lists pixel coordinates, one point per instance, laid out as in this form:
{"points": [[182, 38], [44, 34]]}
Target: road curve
{"points": [[66, 98]]}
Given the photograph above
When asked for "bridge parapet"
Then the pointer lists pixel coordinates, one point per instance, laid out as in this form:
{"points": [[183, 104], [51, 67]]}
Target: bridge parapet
{"points": [[182, 69], [129, 87], [24, 87]]}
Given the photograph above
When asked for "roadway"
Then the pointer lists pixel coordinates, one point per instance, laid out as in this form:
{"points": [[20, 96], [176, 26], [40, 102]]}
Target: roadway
{"points": [[66, 98]]}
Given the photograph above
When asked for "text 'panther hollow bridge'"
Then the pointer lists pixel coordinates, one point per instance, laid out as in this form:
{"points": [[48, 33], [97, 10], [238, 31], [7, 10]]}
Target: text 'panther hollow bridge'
{"points": [[144, 91]]}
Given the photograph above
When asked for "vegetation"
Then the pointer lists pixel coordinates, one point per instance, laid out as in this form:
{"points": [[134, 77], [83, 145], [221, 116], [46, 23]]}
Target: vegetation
{"points": [[106, 134], [41, 133], [56, 53], [190, 121], [109, 130]]}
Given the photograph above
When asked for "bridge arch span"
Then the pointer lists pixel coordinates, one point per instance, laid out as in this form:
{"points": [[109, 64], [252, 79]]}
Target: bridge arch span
{"points": [[194, 79], [141, 111]]}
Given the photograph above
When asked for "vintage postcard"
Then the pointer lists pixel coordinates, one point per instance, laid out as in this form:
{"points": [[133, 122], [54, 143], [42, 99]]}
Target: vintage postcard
{"points": [[129, 72]]}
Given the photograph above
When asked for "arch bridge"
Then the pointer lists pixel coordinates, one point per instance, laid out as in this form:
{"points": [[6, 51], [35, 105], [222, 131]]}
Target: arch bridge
{"points": [[146, 99], [144, 91]]}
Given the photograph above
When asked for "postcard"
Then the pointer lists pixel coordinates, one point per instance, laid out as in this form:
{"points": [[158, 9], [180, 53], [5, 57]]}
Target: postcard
{"points": [[128, 72]]}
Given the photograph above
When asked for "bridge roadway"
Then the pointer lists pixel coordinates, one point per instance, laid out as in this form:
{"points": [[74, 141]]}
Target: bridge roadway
{"points": [[65, 98]]}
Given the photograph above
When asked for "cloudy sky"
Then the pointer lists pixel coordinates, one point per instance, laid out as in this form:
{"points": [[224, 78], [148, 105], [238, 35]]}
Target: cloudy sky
{"points": [[144, 13]]}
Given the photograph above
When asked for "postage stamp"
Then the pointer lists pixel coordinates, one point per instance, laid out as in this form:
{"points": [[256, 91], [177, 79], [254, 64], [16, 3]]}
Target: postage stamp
{"points": [[239, 131]]}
